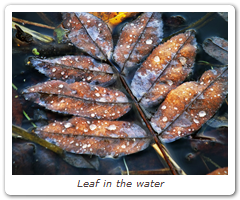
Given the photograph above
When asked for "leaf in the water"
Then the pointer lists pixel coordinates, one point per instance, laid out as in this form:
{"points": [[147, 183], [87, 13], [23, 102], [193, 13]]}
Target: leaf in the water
{"points": [[166, 68], [81, 161], [17, 109], [190, 105], [99, 137], [89, 33], [137, 39], [218, 121], [217, 48], [221, 171], [224, 15], [79, 98], [113, 18], [75, 68]]}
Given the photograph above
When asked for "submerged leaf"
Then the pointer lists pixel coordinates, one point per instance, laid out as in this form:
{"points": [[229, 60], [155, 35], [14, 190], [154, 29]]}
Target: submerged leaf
{"points": [[79, 98], [190, 105], [137, 39], [99, 137], [217, 48], [89, 33], [166, 68], [75, 68]]}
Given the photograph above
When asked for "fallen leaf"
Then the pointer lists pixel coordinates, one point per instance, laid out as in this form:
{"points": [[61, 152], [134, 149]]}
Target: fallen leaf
{"points": [[166, 68], [221, 171], [190, 105], [137, 39], [99, 137], [75, 68], [82, 161], [217, 48], [79, 98], [17, 110], [89, 33], [175, 21], [113, 18]]}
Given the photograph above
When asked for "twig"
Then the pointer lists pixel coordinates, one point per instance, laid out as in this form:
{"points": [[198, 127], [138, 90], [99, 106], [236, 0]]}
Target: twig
{"points": [[157, 149], [32, 23], [164, 171]]}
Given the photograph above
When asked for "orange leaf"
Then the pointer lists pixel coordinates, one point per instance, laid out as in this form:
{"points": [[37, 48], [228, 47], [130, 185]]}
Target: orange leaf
{"points": [[166, 68], [79, 98], [99, 137], [190, 105]]}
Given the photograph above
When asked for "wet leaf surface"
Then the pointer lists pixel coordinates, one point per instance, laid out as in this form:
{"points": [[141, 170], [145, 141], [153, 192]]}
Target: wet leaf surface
{"points": [[217, 48], [98, 137], [79, 98], [167, 67], [75, 68], [17, 109], [137, 39], [190, 105], [89, 34]]}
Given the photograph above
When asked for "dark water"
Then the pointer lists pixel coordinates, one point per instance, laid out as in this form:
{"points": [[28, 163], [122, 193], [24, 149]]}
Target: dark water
{"points": [[24, 76]]}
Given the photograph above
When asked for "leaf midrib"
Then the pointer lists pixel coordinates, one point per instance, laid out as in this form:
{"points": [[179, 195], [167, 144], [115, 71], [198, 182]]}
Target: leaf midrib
{"points": [[193, 100]]}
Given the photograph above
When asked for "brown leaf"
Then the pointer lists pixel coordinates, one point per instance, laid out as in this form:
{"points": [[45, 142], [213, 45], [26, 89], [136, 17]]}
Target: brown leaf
{"points": [[75, 68], [89, 33], [190, 105], [217, 48], [99, 137], [137, 39], [17, 110], [166, 68], [79, 98]]}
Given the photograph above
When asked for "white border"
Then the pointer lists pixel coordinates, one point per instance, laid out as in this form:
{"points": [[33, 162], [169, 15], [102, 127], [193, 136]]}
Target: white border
{"points": [[67, 185]]}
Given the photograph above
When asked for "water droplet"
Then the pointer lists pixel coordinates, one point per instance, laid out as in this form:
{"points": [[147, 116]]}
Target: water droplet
{"points": [[164, 119], [202, 114], [196, 121], [149, 41], [156, 59], [92, 127], [164, 107]]}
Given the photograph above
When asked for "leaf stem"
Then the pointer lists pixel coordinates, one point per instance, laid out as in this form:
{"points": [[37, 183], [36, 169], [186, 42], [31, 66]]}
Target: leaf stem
{"points": [[126, 165]]}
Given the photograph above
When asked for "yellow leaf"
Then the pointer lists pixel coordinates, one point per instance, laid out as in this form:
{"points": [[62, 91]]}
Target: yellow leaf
{"points": [[113, 18]]}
